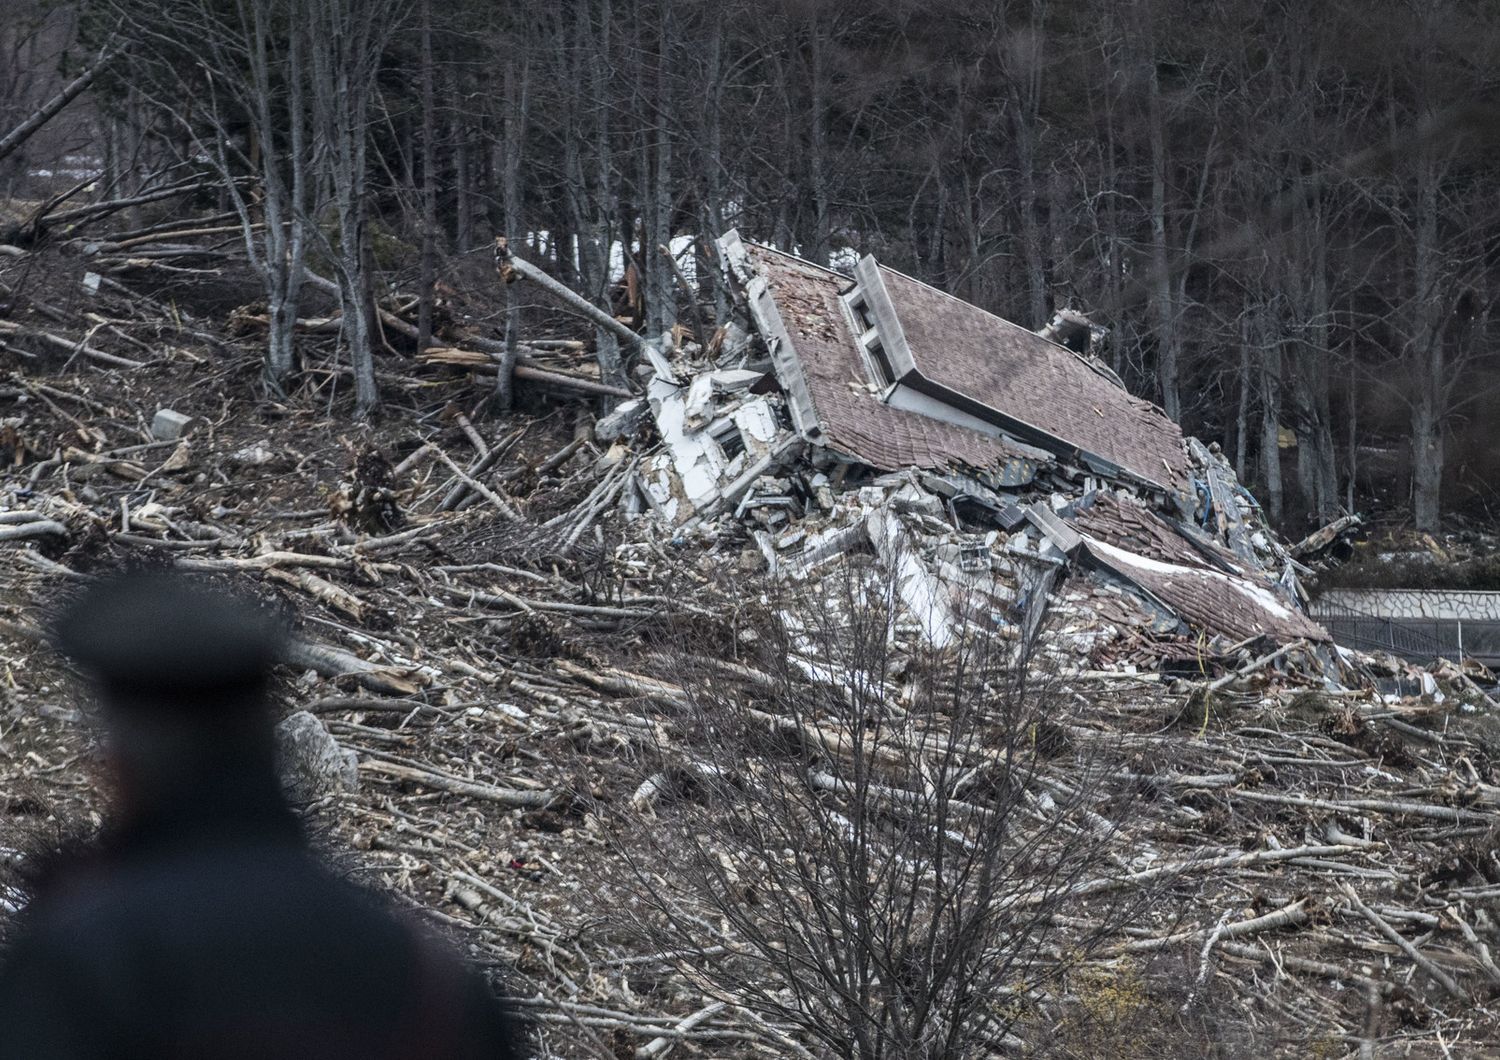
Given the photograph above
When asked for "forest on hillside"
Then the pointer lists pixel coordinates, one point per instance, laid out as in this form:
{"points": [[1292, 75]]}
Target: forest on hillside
{"points": [[1285, 214]]}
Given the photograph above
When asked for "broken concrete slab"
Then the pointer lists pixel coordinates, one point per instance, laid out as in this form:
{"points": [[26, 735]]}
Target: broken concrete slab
{"points": [[625, 419], [168, 425]]}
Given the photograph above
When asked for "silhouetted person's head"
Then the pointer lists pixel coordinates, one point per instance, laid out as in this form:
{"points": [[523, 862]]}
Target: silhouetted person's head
{"points": [[200, 923], [182, 669]]}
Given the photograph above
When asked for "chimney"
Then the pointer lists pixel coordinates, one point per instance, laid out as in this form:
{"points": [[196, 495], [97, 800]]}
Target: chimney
{"points": [[1072, 329]]}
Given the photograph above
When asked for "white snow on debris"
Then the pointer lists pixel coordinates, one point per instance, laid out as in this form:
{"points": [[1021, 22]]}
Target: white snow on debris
{"points": [[1258, 595]]}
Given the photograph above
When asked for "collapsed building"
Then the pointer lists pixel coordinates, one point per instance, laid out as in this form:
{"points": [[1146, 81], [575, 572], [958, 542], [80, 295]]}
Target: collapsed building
{"points": [[987, 466]]}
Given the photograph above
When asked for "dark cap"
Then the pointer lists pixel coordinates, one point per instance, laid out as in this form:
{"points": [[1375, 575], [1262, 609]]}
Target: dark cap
{"points": [[162, 636]]}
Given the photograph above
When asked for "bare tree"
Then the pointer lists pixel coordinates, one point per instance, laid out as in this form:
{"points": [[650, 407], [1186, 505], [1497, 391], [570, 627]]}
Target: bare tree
{"points": [[232, 78], [870, 846], [345, 42]]}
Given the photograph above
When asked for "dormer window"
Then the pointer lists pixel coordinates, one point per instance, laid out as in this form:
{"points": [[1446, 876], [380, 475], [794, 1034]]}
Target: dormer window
{"points": [[877, 332], [862, 315], [884, 374]]}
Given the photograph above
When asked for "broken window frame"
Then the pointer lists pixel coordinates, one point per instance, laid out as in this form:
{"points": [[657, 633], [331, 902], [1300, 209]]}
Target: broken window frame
{"points": [[877, 362], [726, 434]]}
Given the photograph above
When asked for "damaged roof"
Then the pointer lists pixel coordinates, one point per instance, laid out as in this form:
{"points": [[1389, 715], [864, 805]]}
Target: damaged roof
{"points": [[1210, 599], [1132, 526], [1146, 549], [961, 348], [973, 389], [824, 363]]}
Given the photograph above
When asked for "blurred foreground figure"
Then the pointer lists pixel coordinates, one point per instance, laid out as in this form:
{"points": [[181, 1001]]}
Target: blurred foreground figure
{"points": [[199, 924]]}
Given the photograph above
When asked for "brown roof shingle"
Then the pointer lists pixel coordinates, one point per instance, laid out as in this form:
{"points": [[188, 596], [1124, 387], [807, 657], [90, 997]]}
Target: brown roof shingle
{"points": [[1028, 378], [1221, 596], [1237, 607], [1131, 526]]}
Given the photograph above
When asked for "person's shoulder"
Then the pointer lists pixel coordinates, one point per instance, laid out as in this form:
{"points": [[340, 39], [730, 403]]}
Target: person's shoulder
{"points": [[71, 893], [456, 1004], [95, 894]]}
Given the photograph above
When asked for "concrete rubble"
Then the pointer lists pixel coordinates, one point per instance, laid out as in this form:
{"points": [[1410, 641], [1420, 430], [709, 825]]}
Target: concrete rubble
{"points": [[820, 426], [168, 425]]}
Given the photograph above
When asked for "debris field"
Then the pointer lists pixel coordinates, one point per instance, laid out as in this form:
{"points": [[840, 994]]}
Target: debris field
{"points": [[484, 676]]}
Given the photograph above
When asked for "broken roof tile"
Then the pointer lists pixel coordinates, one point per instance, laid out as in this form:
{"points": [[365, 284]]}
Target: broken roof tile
{"points": [[1210, 599], [1128, 525]]}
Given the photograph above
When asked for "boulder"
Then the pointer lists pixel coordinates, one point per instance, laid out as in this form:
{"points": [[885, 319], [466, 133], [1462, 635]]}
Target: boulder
{"points": [[312, 762]]}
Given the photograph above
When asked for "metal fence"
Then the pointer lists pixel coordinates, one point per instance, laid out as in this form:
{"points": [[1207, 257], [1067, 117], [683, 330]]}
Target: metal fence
{"points": [[1417, 639]]}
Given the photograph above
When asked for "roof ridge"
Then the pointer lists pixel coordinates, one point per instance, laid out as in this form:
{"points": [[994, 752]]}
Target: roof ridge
{"points": [[799, 260]]}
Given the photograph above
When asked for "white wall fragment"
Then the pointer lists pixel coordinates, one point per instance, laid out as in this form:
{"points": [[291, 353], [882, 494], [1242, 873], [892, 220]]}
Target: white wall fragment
{"points": [[922, 594]]}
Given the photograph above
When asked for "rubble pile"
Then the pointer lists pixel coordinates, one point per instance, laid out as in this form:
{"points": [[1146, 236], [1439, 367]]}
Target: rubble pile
{"points": [[487, 607], [1185, 577]]}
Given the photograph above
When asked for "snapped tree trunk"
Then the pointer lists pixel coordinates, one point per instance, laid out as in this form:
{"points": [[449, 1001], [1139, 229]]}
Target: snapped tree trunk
{"points": [[12, 140]]}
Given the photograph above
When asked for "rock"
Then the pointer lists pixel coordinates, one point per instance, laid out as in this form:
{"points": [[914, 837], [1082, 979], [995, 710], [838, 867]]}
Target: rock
{"points": [[312, 761], [252, 456], [169, 425], [181, 458]]}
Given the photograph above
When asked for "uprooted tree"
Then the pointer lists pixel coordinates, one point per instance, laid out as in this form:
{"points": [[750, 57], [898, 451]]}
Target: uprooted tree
{"points": [[867, 845]]}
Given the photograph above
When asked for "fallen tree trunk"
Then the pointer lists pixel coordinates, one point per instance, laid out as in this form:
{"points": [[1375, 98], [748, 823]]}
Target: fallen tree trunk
{"points": [[329, 661], [50, 109], [1256, 664], [168, 230], [512, 797], [512, 265], [24, 233], [571, 382], [79, 348], [36, 528], [496, 350], [546, 377]]}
